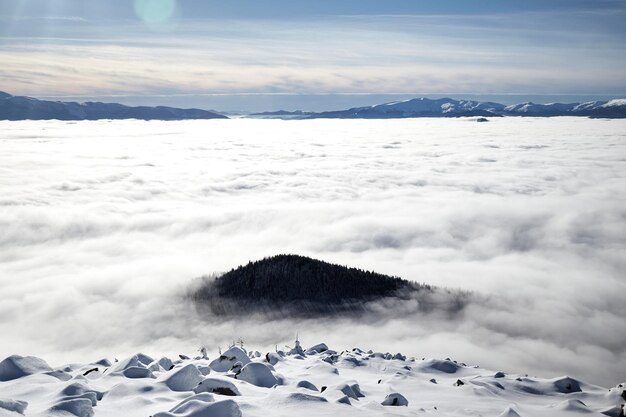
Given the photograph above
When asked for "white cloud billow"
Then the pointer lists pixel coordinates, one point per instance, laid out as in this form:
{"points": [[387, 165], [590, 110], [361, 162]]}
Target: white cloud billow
{"points": [[105, 224]]}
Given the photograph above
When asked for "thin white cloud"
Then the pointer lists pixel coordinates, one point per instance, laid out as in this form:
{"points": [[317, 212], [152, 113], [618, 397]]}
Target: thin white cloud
{"points": [[480, 54], [77, 19]]}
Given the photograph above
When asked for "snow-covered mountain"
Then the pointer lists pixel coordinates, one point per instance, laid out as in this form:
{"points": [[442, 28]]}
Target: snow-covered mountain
{"points": [[418, 107], [317, 381], [611, 109], [448, 107], [28, 108]]}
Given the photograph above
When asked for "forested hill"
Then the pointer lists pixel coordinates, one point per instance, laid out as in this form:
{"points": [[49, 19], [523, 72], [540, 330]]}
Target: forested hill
{"points": [[286, 281]]}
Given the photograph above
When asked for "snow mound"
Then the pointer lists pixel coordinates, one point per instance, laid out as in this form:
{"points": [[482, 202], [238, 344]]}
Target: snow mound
{"points": [[344, 400], [351, 390], [204, 369], [445, 366], [124, 364], [566, 385], [319, 348], [217, 386], [137, 372], [81, 390], [200, 408], [16, 366], [79, 407], [58, 374], [155, 367], [323, 368], [103, 362], [185, 392], [395, 399], [273, 358], [144, 359], [509, 412], [258, 374], [227, 359], [307, 385], [165, 363], [299, 396], [192, 403], [183, 379], [612, 411], [351, 360], [573, 406], [11, 405]]}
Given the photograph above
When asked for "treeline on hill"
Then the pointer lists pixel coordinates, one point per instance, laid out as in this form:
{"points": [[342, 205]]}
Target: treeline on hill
{"points": [[292, 284]]}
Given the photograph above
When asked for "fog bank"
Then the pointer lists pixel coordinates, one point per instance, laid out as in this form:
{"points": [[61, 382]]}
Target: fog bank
{"points": [[105, 225]]}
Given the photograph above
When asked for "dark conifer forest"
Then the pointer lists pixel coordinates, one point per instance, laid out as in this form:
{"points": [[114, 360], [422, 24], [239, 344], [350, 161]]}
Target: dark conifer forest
{"points": [[297, 284]]}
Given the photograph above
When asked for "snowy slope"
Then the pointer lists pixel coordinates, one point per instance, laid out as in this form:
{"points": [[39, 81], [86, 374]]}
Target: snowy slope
{"points": [[418, 107], [315, 382], [550, 109]]}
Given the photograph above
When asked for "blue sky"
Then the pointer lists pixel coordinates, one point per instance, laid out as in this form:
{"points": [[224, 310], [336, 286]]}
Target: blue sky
{"points": [[215, 53]]}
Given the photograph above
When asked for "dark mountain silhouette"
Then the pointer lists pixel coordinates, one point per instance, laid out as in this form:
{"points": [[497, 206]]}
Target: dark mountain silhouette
{"points": [[293, 284], [28, 108], [282, 114]]}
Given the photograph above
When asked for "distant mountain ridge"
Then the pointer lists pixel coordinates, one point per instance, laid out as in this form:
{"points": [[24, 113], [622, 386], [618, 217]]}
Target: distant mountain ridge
{"points": [[448, 107], [28, 108]]}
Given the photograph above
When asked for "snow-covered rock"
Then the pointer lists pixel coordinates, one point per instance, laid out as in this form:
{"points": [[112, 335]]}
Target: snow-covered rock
{"points": [[18, 407], [217, 386], [78, 407], [395, 399], [227, 359], [319, 348], [385, 380], [258, 374], [81, 390], [16, 366], [351, 390], [200, 407], [182, 379], [166, 363], [273, 358], [439, 365], [307, 385], [509, 412], [130, 362], [137, 372]]}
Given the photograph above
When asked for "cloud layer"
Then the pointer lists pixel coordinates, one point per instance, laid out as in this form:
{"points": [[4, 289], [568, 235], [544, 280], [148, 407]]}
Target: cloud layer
{"points": [[106, 224]]}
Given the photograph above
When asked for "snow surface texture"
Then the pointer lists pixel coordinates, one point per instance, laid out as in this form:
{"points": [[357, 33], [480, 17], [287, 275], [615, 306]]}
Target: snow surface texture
{"points": [[351, 383], [105, 224]]}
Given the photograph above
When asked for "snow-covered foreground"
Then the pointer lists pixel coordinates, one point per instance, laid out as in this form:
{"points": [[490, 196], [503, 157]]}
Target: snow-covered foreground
{"points": [[103, 225], [315, 382]]}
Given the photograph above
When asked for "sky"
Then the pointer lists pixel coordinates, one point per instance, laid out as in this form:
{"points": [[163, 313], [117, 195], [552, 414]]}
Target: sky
{"points": [[311, 55]]}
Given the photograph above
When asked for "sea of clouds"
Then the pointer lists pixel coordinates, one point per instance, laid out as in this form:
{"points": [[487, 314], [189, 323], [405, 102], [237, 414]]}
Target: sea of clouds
{"points": [[105, 225]]}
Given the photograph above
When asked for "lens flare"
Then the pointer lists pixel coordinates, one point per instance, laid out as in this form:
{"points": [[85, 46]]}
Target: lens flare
{"points": [[155, 12]]}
